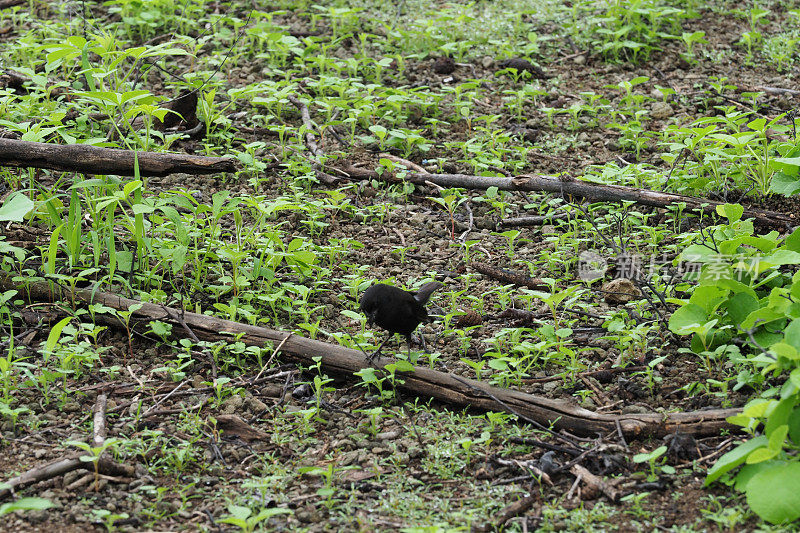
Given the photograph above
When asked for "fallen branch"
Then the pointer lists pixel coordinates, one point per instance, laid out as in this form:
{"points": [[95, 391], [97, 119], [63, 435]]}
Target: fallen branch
{"points": [[583, 189], [512, 510], [88, 159], [532, 220], [59, 467], [425, 382], [595, 485], [103, 467], [311, 140], [405, 162], [99, 421], [11, 3], [509, 278]]}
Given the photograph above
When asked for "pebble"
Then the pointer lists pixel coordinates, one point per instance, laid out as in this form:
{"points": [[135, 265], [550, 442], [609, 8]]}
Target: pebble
{"points": [[388, 435], [71, 407], [620, 291], [661, 110], [232, 404], [255, 405], [348, 458], [550, 386], [633, 409]]}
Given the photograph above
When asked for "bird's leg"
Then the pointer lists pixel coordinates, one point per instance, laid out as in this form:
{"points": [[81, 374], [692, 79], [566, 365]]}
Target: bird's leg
{"points": [[371, 357], [422, 342]]}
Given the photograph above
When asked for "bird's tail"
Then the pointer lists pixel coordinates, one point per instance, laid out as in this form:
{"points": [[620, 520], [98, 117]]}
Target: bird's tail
{"points": [[424, 293]]}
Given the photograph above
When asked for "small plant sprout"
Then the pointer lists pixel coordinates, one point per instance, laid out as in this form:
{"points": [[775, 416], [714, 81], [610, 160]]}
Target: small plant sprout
{"points": [[652, 460], [246, 520], [449, 201], [690, 39]]}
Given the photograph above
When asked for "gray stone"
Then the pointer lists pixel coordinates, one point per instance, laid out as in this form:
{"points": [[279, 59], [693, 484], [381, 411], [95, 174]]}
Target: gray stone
{"points": [[634, 409], [661, 110]]}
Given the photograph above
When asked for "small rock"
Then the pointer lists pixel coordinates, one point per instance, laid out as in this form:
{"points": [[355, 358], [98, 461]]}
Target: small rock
{"points": [[342, 444], [487, 61], [634, 409], [36, 517], [232, 404], [444, 65], [579, 59], [548, 229], [272, 390], [71, 407], [388, 435], [661, 110], [308, 516], [302, 391], [550, 386], [620, 291], [255, 405], [133, 485]]}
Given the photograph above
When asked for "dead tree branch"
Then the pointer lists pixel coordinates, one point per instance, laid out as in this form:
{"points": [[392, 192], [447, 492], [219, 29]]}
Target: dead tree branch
{"points": [[88, 159], [582, 189]]}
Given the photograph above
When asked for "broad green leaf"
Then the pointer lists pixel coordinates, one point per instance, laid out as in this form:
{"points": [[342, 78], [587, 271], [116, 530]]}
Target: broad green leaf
{"points": [[687, 317], [15, 207], [794, 425], [734, 458], [787, 351], [791, 333], [739, 306], [782, 257], [708, 297], [26, 504], [792, 242], [774, 493], [762, 316], [784, 183], [733, 212]]}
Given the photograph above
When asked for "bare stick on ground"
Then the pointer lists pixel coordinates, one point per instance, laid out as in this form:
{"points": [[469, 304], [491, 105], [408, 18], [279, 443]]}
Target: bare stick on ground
{"points": [[104, 466], [583, 189], [507, 277], [311, 140], [88, 159]]}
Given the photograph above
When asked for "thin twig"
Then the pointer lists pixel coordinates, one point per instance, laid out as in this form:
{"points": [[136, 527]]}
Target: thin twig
{"points": [[271, 357]]}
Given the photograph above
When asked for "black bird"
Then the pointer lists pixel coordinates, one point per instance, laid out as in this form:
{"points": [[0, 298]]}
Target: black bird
{"points": [[396, 310]]}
